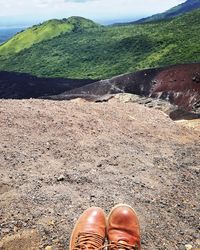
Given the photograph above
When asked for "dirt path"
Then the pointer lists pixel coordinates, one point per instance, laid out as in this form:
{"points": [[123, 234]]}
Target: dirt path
{"points": [[59, 158]]}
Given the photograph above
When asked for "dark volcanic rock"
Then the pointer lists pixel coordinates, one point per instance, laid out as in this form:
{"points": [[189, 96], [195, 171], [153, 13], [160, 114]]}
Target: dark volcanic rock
{"points": [[177, 84], [138, 83], [25, 86], [179, 114]]}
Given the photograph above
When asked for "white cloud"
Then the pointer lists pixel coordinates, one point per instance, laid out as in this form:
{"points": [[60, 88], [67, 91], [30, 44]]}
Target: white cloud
{"points": [[94, 9]]}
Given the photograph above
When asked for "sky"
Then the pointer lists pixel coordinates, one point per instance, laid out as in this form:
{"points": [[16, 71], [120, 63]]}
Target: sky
{"points": [[27, 12]]}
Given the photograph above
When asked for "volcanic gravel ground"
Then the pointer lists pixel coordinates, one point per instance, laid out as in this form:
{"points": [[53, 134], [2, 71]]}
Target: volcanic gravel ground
{"points": [[59, 158]]}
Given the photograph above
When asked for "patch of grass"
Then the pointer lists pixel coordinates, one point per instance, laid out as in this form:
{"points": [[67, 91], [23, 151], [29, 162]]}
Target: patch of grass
{"points": [[43, 32]]}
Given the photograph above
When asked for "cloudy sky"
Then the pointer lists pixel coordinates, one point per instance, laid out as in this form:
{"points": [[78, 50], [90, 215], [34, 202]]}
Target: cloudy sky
{"points": [[104, 11]]}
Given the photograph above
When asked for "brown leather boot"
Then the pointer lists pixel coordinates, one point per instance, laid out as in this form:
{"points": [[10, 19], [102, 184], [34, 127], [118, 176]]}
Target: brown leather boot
{"points": [[89, 231], [123, 228]]}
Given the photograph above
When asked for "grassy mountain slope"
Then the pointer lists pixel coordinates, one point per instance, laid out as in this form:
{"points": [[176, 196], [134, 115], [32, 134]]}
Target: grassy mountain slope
{"points": [[178, 10], [42, 32], [107, 51]]}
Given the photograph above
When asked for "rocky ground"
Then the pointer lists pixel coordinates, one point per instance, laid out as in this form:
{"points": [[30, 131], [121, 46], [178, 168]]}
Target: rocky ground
{"points": [[59, 158]]}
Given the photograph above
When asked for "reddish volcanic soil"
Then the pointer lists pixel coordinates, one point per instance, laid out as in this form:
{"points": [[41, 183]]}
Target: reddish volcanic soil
{"points": [[59, 158], [180, 84]]}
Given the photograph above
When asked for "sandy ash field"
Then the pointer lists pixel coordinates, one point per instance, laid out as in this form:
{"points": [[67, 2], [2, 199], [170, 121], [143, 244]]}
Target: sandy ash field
{"points": [[59, 158]]}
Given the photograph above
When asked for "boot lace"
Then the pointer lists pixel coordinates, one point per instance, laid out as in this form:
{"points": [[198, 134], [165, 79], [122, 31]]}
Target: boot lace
{"points": [[87, 241], [121, 246]]}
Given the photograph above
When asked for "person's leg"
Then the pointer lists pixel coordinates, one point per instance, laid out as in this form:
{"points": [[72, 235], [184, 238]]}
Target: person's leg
{"points": [[89, 231], [123, 230]]}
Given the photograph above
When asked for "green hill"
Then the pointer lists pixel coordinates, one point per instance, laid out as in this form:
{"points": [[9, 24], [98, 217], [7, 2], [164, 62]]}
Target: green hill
{"points": [[101, 52], [44, 31], [178, 10]]}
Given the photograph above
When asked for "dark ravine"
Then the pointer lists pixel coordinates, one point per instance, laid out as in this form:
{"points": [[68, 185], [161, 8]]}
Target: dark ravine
{"points": [[25, 86]]}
